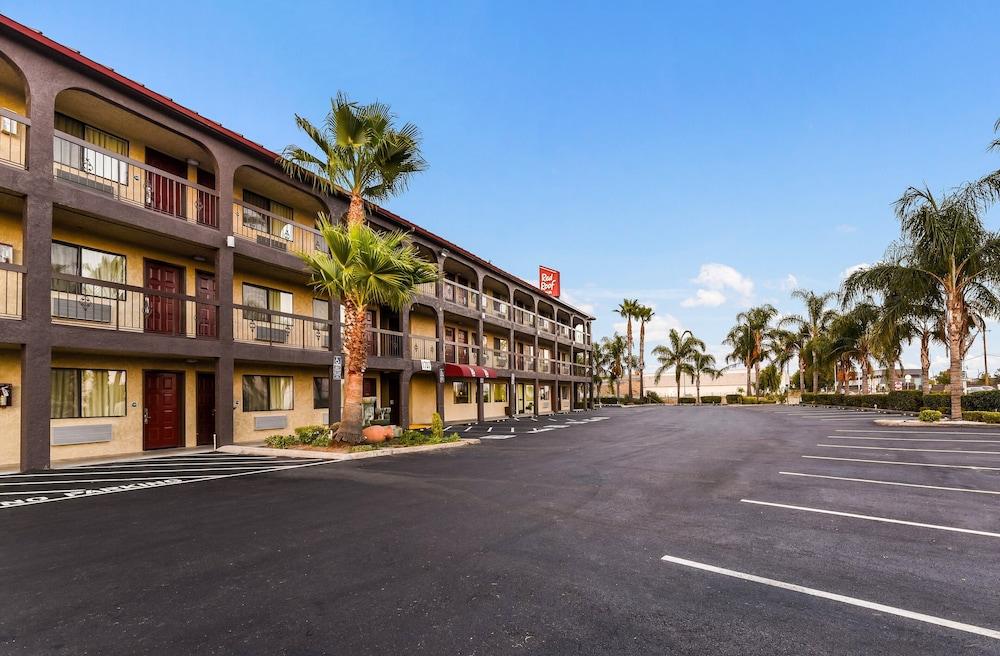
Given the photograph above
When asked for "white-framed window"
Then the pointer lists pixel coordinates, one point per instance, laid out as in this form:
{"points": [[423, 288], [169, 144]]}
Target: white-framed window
{"points": [[462, 392], [261, 393], [77, 393]]}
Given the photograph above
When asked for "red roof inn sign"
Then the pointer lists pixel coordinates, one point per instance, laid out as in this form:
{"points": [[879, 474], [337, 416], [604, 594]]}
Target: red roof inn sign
{"points": [[548, 281]]}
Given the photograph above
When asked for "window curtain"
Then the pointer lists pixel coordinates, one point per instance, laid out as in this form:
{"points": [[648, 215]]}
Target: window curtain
{"points": [[64, 393], [280, 302], [321, 393], [254, 393], [102, 393], [280, 389]]}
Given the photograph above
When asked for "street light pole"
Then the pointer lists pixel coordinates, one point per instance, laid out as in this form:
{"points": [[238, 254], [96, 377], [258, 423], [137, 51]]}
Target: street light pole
{"points": [[986, 361]]}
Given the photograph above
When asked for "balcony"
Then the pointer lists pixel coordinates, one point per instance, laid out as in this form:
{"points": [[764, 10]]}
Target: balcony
{"points": [[427, 289], [497, 308], [546, 325], [90, 303], [581, 369], [455, 353], [523, 317], [524, 362], [496, 359], [13, 139], [545, 366], [382, 343], [423, 348], [11, 291], [563, 368], [129, 181], [461, 295], [254, 325], [267, 229]]}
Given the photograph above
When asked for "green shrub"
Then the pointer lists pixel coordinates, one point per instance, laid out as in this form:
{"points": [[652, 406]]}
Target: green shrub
{"points": [[988, 401], [314, 435], [937, 401], [930, 415], [981, 415], [907, 401], [653, 397], [437, 426], [361, 448], [734, 399], [711, 400], [282, 441], [686, 400]]}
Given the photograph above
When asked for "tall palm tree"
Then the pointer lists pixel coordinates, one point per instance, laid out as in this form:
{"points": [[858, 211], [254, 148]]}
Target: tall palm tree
{"points": [[703, 363], [644, 314], [944, 245], [856, 342], [814, 323], [599, 360], [616, 353], [751, 338], [360, 151], [628, 309], [787, 345], [364, 267], [678, 353]]}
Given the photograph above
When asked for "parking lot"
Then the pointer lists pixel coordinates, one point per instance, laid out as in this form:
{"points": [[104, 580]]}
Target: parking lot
{"points": [[680, 530], [503, 429]]}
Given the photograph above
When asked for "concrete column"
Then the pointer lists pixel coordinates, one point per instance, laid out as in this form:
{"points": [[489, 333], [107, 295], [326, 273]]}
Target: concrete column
{"points": [[512, 363], [336, 348], [404, 397], [225, 400]]}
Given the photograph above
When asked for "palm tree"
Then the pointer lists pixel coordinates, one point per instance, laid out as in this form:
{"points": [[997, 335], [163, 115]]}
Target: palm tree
{"points": [[361, 152], [364, 267], [813, 324], [628, 309], [788, 344], [770, 379], [644, 314], [599, 360], [854, 341], [615, 352], [677, 353], [751, 338], [703, 363], [943, 245]]}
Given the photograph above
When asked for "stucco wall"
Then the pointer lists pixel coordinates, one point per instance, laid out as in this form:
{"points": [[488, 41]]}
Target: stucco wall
{"points": [[10, 417], [301, 414]]}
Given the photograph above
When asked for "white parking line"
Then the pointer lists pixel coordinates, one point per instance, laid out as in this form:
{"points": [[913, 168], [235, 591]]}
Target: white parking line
{"points": [[489, 430], [173, 480], [852, 601], [887, 520], [174, 463], [99, 480], [23, 492], [865, 418], [897, 448], [911, 464], [86, 472], [913, 432], [909, 439], [869, 480]]}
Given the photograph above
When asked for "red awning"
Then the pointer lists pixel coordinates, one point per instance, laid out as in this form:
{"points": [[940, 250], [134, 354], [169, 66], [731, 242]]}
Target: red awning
{"points": [[468, 371]]}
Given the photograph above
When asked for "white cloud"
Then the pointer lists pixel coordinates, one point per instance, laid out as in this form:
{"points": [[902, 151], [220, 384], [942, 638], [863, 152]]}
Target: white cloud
{"points": [[789, 283], [579, 304], [705, 297], [713, 279], [851, 269], [846, 228]]}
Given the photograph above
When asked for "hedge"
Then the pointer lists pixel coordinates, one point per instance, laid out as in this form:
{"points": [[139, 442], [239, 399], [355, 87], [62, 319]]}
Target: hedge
{"points": [[686, 400], [761, 400], [908, 401], [980, 415], [734, 399], [713, 400]]}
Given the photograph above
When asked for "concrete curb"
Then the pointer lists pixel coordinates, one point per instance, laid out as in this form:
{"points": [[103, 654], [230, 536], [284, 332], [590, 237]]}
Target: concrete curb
{"points": [[944, 423], [325, 455]]}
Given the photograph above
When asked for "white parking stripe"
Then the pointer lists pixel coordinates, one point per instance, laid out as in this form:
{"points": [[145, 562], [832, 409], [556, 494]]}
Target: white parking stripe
{"points": [[87, 472], [887, 520], [911, 464], [908, 439], [869, 480], [99, 480], [865, 418], [852, 601], [174, 480], [175, 463], [913, 432], [23, 492], [896, 448]]}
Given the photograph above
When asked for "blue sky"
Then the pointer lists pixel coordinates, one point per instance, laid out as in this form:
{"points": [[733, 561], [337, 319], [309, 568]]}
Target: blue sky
{"points": [[645, 150]]}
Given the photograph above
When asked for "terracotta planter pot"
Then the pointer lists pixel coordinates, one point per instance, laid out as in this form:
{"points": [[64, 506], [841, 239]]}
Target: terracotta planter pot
{"points": [[376, 434]]}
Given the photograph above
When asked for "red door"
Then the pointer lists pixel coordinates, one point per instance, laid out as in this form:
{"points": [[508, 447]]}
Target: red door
{"points": [[205, 409], [206, 315], [165, 194], [207, 204], [162, 412], [164, 313]]}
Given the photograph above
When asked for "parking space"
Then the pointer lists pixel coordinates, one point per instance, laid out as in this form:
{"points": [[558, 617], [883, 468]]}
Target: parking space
{"points": [[79, 482], [503, 429]]}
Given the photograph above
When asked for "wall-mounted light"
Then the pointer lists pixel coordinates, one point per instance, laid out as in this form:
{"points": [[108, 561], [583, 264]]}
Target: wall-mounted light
{"points": [[199, 258], [230, 241], [192, 162]]}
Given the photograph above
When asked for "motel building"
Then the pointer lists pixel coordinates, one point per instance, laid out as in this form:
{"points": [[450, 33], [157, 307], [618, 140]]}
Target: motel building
{"points": [[151, 298]]}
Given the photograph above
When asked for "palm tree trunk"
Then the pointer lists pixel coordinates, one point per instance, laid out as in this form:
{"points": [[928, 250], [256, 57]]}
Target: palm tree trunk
{"points": [[891, 377], [955, 311], [629, 363], [748, 380], [642, 359], [925, 362], [697, 389], [816, 373], [756, 379], [356, 357], [356, 211], [802, 373]]}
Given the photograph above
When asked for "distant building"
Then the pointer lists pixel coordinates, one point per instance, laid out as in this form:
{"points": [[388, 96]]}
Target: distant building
{"points": [[731, 382]]}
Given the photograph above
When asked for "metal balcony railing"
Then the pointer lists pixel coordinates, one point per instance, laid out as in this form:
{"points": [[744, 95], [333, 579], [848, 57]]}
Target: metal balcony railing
{"points": [[254, 325], [11, 291], [497, 307], [427, 289], [545, 366], [423, 348], [524, 362], [382, 343], [564, 368], [268, 229], [496, 359], [129, 181], [546, 325], [461, 295], [523, 317], [91, 303], [13, 139], [456, 353]]}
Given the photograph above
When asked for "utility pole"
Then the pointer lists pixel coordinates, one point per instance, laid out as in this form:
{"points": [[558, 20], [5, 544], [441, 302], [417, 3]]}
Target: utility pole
{"points": [[986, 361]]}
